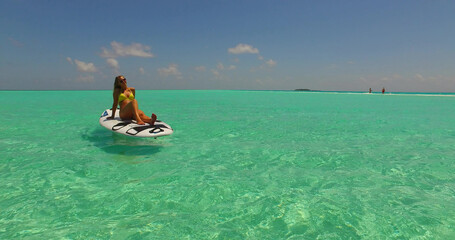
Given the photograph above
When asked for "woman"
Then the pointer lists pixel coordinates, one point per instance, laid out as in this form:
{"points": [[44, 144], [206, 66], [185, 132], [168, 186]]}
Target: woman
{"points": [[124, 96]]}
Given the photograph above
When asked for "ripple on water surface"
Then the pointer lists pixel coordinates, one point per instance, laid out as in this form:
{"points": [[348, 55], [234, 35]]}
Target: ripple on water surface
{"points": [[240, 165]]}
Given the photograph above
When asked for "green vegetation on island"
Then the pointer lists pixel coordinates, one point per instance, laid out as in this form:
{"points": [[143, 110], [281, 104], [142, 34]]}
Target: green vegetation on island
{"points": [[306, 90]]}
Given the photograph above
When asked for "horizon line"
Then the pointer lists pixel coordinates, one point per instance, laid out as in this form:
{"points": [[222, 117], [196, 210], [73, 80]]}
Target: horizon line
{"points": [[290, 90]]}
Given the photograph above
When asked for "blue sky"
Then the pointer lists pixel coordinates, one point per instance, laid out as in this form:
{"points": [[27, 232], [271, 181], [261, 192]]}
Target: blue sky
{"points": [[263, 45]]}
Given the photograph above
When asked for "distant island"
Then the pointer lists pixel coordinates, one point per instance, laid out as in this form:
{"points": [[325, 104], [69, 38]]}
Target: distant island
{"points": [[306, 90]]}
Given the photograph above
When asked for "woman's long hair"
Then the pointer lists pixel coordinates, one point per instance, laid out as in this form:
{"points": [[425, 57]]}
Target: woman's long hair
{"points": [[117, 82]]}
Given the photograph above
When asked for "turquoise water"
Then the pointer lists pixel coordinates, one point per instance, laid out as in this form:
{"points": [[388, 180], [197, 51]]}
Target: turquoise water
{"points": [[240, 165]]}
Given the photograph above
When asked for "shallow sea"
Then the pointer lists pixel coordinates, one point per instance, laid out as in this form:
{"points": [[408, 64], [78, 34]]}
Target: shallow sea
{"points": [[240, 165]]}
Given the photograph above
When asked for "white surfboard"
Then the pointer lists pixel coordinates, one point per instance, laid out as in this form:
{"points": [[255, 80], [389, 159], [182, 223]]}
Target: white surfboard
{"points": [[131, 128]]}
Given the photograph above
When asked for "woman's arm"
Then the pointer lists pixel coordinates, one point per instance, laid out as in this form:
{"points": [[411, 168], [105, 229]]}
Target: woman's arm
{"points": [[114, 105], [133, 90]]}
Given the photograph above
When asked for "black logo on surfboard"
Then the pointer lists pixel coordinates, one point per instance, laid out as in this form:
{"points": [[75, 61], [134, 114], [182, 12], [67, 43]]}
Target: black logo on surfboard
{"points": [[157, 128]]}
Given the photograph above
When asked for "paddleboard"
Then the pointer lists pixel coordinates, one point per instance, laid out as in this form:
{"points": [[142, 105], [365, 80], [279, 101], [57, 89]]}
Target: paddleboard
{"points": [[131, 128]]}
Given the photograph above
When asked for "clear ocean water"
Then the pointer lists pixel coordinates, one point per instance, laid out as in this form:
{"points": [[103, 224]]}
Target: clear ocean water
{"points": [[240, 165]]}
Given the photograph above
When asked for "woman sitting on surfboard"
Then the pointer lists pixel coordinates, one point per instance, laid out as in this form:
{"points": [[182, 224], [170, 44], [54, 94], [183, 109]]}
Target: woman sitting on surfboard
{"points": [[124, 96]]}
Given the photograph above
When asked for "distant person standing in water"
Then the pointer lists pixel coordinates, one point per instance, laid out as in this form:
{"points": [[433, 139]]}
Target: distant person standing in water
{"points": [[383, 90], [370, 90]]}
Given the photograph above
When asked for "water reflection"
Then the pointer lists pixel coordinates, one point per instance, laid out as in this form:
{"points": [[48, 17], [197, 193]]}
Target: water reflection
{"points": [[118, 144]]}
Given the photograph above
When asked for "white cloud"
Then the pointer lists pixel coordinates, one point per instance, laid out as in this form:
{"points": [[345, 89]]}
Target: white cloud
{"points": [[15, 42], [85, 79], [85, 67], [133, 50], [221, 67], [397, 76], [171, 70], [420, 77], [68, 59], [141, 70], [216, 73], [107, 54], [243, 48], [271, 63], [200, 68], [112, 62]]}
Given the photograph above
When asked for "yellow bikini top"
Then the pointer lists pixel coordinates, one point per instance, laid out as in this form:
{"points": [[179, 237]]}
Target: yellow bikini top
{"points": [[122, 97]]}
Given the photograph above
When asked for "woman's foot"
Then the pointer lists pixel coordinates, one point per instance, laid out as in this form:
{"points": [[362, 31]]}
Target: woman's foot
{"points": [[153, 119]]}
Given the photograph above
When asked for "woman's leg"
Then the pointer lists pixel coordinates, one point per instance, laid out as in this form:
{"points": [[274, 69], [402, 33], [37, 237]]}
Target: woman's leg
{"points": [[131, 111], [146, 118]]}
